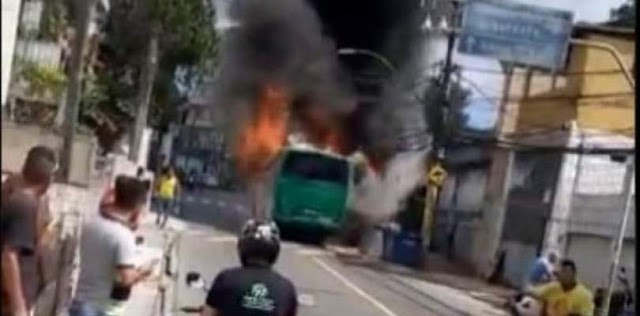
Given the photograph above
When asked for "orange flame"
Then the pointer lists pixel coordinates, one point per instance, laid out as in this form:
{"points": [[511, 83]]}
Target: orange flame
{"points": [[265, 134]]}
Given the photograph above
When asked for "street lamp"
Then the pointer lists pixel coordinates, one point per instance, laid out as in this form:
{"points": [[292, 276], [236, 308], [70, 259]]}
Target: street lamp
{"points": [[358, 51]]}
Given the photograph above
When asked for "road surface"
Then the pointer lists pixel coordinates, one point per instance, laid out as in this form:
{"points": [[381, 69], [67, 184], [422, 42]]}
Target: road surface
{"points": [[326, 286]]}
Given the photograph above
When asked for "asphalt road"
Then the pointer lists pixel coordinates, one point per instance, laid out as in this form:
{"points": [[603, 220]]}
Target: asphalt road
{"points": [[327, 287]]}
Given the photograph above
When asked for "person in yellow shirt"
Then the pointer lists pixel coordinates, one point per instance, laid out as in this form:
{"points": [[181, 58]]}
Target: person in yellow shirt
{"points": [[167, 190], [566, 296]]}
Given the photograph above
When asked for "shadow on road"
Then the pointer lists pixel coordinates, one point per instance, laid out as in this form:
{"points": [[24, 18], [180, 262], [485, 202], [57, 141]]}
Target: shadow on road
{"points": [[222, 210]]}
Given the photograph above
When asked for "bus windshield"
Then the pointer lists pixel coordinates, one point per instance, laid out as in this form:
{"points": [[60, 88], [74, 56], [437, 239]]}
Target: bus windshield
{"points": [[315, 166]]}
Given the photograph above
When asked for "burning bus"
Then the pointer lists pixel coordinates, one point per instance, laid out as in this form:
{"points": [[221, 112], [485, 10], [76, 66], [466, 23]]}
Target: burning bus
{"points": [[281, 73], [312, 190]]}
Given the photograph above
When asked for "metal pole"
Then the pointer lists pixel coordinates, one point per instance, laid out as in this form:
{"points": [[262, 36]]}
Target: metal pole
{"points": [[619, 242], [144, 95], [358, 51], [439, 131], [74, 88], [611, 50]]}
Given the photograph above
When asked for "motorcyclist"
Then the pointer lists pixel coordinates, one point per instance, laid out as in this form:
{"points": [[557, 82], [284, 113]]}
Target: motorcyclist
{"points": [[566, 296], [254, 288]]}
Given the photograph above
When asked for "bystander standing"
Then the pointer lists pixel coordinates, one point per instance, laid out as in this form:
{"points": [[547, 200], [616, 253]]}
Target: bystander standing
{"points": [[23, 222], [108, 262]]}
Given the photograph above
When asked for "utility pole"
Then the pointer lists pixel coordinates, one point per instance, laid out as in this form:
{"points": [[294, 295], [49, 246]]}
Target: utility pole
{"points": [[439, 129], [619, 242], [74, 89], [144, 95]]}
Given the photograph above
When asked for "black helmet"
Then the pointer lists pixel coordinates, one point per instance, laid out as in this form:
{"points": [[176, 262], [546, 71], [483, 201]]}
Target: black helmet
{"points": [[259, 243]]}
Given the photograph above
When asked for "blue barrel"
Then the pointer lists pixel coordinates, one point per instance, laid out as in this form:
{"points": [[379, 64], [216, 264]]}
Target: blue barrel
{"points": [[403, 248]]}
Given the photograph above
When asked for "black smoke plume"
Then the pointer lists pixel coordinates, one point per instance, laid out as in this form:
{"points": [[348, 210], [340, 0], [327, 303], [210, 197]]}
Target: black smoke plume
{"points": [[282, 42]]}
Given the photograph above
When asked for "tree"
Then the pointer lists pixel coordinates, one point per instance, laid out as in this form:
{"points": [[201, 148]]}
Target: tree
{"points": [[43, 81], [624, 16], [179, 33], [456, 103]]}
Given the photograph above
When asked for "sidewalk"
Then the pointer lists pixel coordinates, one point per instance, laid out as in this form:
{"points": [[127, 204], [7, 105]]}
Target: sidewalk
{"points": [[438, 274], [82, 201]]}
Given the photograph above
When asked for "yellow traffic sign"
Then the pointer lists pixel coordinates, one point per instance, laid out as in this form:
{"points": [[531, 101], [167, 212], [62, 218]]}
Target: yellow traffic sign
{"points": [[437, 174]]}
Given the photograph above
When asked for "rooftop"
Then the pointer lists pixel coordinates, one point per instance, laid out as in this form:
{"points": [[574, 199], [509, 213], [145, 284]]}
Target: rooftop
{"points": [[582, 28]]}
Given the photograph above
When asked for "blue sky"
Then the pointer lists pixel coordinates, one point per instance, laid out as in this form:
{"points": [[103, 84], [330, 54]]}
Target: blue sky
{"points": [[483, 112]]}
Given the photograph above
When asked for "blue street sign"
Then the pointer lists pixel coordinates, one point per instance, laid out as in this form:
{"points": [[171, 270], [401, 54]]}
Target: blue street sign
{"points": [[517, 33]]}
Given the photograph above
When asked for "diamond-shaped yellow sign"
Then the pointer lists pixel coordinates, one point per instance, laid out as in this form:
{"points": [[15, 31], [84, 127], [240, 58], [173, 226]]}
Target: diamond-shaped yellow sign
{"points": [[437, 174]]}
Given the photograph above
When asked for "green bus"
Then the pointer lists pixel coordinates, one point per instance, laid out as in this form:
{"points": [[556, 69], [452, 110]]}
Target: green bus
{"points": [[312, 191]]}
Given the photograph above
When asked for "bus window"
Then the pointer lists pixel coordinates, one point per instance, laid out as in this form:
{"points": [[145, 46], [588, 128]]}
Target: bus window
{"points": [[316, 167]]}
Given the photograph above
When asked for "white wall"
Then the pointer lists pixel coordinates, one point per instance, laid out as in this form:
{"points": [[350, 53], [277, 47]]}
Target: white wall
{"points": [[592, 255], [145, 145], [18, 139], [10, 17], [589, 206], [44, 53]]}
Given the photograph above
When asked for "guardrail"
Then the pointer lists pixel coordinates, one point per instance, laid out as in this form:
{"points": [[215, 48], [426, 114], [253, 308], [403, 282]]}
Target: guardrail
{"points": [[62, 257]]}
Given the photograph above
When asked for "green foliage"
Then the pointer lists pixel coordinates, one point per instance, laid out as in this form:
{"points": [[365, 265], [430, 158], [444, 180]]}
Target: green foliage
{"points": [[43, 79], [434, 98], [54, 19], [94, 94], [187, 40], [624, 16]]}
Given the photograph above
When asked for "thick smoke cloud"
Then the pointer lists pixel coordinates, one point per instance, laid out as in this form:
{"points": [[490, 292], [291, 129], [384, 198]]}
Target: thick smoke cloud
{"points": [[278, 42], [281, 42]]}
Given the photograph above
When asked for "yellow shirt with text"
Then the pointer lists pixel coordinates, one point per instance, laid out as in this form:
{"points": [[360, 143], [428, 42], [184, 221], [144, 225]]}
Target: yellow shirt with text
{"points": [[578, 301]]}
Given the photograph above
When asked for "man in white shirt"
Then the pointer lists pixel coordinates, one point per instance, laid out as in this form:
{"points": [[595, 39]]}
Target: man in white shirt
{"points": [[108, 254]]}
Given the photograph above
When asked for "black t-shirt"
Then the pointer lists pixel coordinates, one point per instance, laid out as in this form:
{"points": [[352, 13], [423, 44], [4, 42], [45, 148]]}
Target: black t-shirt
{"points": [[18, 217], [251, 291]]}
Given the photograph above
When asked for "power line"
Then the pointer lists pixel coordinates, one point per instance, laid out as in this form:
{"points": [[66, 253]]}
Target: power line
{"points": [[524, 147], [562, 129], [492, 99], [612, 71], [568, 97]]}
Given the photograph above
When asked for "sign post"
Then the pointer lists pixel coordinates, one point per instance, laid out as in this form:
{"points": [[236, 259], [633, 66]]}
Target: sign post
{"points": [[516, 33], [435, 176]]}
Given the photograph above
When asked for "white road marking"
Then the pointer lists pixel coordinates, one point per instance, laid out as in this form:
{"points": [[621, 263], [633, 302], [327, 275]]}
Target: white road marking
{"points": [[231, 238], [306, 300], [222, 203], [206, 201], [353, 287], [222, 239], [189, 198], [311, 252]]}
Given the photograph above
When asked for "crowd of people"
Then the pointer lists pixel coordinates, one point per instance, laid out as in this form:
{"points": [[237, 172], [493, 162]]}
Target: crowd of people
{"points": [[110, 264]]}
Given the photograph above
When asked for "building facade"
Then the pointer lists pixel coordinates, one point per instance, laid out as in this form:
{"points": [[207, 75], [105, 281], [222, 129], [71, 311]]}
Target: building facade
{"points": [[543, 199]]}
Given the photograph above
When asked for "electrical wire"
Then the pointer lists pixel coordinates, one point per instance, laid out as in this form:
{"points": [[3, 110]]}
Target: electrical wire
{"points": [[612, 71], [524, 147]]}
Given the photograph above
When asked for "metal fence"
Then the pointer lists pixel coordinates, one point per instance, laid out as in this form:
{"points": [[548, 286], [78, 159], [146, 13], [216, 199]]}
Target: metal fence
{"points": [[68, 204]]}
